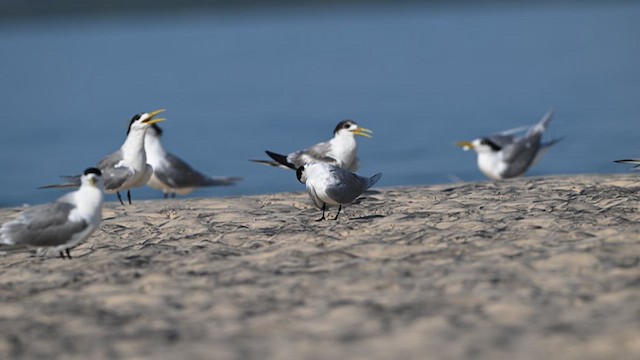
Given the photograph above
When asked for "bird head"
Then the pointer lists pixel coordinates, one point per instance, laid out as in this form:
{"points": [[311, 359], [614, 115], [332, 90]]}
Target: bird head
{"points": [[349, 127], [144, 120], [301, 175], [92, 177], [481, 146]]}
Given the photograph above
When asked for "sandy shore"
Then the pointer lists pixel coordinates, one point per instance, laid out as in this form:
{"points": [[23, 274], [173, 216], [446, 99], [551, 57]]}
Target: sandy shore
{"points": [[525, 269]]}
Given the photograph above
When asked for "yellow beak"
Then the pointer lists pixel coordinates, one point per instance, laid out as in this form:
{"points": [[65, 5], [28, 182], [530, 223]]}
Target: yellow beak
{"points": [[150, 120], [362, 132], [465, 145]]}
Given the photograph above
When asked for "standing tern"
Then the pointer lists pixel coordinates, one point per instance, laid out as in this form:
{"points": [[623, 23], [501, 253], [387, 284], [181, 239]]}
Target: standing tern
{"points": [[170, 173], [329, 185], [504, 156], [126, 168], [63, 224], [340, 151]]}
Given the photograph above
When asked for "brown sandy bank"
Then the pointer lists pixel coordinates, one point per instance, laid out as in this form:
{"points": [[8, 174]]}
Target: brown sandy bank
{"points": [[525, 269]]}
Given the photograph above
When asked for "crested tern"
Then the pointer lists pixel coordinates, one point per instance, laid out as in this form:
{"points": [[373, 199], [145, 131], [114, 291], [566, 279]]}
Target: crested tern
{"points": [[170, 173], [636, 163], [329, 185], [341, 150], [504, 155], [63, 224], [127, 167]]}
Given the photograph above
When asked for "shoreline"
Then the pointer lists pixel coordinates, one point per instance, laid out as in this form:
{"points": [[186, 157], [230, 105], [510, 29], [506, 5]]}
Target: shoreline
{"points": [[525, 268]]}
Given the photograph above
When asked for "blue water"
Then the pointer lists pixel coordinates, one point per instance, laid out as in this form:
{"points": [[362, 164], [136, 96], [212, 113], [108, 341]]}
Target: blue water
{"points": [[235, 83]]}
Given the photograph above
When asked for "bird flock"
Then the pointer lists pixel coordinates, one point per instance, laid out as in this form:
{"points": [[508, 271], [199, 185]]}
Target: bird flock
{"points": [[328, 170]]}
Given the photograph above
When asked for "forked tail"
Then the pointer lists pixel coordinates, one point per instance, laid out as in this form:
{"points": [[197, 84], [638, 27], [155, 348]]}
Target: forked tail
{"points": [[374, 179], [541, 126]]}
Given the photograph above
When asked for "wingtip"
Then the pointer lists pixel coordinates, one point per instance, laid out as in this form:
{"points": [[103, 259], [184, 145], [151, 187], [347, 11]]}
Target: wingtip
{"points": [[374, 179], [280, 159]]}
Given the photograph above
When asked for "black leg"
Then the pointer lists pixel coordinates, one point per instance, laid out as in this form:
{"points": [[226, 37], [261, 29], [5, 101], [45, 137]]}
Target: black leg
{"points": [[339, 208], [129, 196], [173, 195], [166, 195], [324, 207], [119, 197], [68, 254], [62, 254]]}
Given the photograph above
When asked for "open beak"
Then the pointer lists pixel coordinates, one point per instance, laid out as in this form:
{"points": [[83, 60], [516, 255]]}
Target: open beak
{"points": [[150, 120], [362, 132], [465, 145]]}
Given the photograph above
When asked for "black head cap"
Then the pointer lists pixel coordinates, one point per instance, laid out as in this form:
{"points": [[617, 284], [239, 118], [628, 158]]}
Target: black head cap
{"points": [[344, 124], [135, 118], [491, 144], [94, 171], [299, 173]]}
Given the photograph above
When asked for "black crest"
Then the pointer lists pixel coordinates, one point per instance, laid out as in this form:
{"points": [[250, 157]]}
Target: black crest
{"points": [[491, 144], [135, 118], [344, 124], [299, 173], [94, 171]]}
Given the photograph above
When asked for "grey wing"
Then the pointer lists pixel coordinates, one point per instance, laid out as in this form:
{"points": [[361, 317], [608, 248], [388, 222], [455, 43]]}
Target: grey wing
{"points": [[521, 154], [179, 174], [316, 153], [44, 225], [114, 178], [110, 160], [346, 187]]}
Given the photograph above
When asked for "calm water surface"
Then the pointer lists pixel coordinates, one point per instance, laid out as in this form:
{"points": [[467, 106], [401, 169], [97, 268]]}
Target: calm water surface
{"points": [[237, 83]]}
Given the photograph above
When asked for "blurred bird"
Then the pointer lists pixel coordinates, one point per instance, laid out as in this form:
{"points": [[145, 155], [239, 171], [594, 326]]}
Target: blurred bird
{"points": [[60, 225], [340, 151], [630, 161], [170, 173], [503, 155], [329, 185], [126, 168]]}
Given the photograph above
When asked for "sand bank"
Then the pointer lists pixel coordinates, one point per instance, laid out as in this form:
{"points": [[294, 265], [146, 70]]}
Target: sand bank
{"points": [[526, 269]]}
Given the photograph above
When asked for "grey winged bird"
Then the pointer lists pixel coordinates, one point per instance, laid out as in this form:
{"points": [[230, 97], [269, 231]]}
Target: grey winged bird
{"points": [[504, 155], [170, 173], [126, 168], [329, 185], [63, 224], [636, 163], [341, 150]]}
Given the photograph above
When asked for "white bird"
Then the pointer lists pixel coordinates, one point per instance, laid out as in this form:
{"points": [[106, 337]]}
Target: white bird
{"points": [[340, 151], [329, 185], [504, 156], [170, 173], [126, 168], [63, 224]]}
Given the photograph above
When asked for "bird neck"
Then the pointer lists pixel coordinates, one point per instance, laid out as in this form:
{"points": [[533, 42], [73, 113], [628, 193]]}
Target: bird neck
{"points": [[89, 200], [344, 147], [154, 149], [133, 147]]}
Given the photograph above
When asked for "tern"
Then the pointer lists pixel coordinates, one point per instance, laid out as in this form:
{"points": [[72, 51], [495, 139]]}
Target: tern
{"points": [[170, 173], [63, 224], [630, 161], [340, 151], [329, 185], [504, 156], [126, 168]]}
